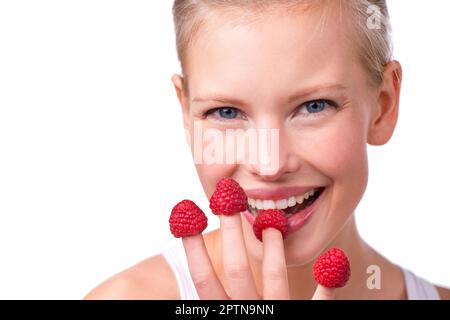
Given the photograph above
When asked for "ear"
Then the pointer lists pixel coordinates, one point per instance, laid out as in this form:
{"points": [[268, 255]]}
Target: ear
{"points": [[182, 95], [385, 116]]}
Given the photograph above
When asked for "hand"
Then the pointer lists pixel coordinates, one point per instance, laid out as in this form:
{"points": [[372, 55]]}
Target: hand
{"points": [[237, 268]]}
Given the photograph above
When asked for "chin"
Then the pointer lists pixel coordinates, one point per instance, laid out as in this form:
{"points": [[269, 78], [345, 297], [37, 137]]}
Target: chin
{"points": [[303, 253]]}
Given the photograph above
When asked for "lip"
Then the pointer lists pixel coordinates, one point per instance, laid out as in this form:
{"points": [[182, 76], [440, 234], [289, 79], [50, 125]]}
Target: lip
{"points": [[298, 220], [278, 193]]}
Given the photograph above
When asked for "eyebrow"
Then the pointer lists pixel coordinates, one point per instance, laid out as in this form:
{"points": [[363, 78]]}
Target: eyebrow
{"points": [[309, 91], [295, 97]]}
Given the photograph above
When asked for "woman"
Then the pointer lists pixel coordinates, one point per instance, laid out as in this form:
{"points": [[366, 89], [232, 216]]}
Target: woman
{"points": [[319, 73]]}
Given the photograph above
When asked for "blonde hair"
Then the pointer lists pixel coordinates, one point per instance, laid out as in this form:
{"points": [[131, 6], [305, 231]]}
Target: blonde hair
{"points": [[369, 18]]}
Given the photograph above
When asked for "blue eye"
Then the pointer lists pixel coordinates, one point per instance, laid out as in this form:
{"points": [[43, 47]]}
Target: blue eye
{"points": [[315, 106], [227, 113]]}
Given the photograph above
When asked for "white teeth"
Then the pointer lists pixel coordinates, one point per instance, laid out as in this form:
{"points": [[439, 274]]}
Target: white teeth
{"points": [[281, 204], [292, 201], [268, 204], [299, 199], [259, 204]]}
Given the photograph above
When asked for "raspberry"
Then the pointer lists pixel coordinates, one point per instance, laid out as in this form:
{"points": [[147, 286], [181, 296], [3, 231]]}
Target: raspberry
{"points": [[187, 219], [332, 269], [271, 218], [228, 199]]}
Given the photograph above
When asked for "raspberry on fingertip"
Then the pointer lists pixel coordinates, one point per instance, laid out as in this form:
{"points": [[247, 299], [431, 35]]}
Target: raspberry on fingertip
{"points": [[270, 218], [332, 269], [187, 219], [228, 198]]}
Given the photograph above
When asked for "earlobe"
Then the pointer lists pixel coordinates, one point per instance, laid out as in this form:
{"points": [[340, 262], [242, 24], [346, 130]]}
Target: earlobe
{"points": [[386, 114]]}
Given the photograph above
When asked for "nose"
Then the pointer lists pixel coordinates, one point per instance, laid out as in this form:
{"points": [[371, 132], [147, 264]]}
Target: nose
{"points": [[276, 156]]}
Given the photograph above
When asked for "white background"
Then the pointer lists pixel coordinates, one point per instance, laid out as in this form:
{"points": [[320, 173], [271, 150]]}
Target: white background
{"points": [[93, 156]]}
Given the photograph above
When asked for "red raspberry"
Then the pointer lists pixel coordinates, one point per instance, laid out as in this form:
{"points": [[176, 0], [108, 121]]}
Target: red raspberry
{"points": [[332, 269], [271, 218], [187, 219], [229, 198]]}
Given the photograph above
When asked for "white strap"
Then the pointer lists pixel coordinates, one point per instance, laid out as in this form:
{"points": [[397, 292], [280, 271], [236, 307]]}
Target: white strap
{"points": [[176, 258], [418, 288]]}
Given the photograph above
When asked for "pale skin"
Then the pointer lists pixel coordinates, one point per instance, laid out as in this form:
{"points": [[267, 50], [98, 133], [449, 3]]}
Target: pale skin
{"points": [[277, 60]]}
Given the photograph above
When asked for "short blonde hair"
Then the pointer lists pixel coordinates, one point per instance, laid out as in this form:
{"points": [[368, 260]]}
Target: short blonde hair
{"points": [[369, 18]]}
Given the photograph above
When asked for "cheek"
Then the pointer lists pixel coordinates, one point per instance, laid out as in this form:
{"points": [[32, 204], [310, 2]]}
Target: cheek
{"points": [[338, 149], [209, 172], [343, 154], [340, 154]]}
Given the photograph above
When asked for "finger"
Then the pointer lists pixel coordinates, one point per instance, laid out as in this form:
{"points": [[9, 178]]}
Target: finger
{"points": [[202, 272], [324, 293], [235, 261], [275, 279]]}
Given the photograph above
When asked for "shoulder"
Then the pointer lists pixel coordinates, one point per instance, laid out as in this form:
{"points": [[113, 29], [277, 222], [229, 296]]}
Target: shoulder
{"points": [[150, 279], [444, 293]]}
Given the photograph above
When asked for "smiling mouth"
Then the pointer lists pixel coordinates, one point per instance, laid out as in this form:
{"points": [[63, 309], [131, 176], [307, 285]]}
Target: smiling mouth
{"points": [[289, 206]]}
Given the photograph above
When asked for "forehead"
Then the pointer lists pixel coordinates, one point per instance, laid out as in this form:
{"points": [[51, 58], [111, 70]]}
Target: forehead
{"points": [[271, 52]]}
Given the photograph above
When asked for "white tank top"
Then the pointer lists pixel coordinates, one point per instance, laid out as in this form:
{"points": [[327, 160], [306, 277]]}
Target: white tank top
{"points": [[416, 287]]}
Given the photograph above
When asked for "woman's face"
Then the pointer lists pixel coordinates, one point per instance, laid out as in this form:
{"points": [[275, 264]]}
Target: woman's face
{"points": [[302, 78]]}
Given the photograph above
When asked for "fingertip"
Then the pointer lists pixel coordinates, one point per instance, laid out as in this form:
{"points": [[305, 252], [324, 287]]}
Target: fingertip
{"points": [[230, 222], [271, 234], [191, 241], [324, 293]]}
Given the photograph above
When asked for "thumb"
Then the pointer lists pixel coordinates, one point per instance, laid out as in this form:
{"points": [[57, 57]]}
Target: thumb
{"points": [[324, 293]]}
